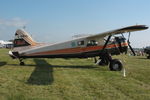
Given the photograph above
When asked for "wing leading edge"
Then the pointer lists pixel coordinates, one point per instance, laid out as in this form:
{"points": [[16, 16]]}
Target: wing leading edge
{"points": [[121, 30]]}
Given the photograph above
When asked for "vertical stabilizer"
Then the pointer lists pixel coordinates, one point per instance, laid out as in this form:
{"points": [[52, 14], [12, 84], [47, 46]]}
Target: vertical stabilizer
{"points": [[22, 38]]}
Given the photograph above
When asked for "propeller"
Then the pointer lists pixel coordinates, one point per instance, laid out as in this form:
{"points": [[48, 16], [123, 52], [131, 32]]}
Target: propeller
{"points": [[130, 45]]}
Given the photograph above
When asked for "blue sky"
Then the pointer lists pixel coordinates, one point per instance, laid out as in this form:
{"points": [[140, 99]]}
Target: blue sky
{"points": [[59, 20]]}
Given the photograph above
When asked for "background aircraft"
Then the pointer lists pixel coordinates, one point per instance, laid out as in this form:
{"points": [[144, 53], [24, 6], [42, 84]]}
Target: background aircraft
{"points": [[103, 45], [147, 51], [6, 44]]}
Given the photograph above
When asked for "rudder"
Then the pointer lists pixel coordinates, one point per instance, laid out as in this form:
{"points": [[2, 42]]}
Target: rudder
{"points": [[22, 38]]}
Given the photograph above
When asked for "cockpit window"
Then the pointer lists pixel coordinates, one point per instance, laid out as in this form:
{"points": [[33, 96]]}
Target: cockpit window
{"points": [[120, 39], [92, 43]]}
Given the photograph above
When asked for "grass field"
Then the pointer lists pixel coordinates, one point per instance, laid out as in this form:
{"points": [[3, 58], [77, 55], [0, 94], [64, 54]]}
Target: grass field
{"points": [[73, 79]]}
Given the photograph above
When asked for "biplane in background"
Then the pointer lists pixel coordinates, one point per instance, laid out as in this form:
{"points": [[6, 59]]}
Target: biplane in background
{"points": [[102, 45]]}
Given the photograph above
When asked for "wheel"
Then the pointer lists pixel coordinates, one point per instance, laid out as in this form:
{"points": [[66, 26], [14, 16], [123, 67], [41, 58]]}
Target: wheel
{"points": [[22, 63], [115, 65]]}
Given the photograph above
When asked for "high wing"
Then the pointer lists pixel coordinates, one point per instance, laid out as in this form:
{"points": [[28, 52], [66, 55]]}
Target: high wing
{"points": [[83, 47], [120, 31]]}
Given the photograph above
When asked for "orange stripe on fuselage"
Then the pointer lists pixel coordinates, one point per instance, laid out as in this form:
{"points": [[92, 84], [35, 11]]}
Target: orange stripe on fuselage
{"points": [[76, 50]]}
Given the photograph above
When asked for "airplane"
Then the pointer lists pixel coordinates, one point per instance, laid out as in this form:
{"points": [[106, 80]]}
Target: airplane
{"points": [[147, 51], [101, 45], [5, 44]]}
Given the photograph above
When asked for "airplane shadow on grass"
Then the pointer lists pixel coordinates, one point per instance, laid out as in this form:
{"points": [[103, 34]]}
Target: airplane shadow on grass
{"points": [[2, 63], [143, 58], [75, 66], [42, 74]]}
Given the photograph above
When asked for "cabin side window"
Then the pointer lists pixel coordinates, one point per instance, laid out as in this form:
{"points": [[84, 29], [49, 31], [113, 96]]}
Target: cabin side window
{"points": [[73, 44], [92, 43], [80, 43]]}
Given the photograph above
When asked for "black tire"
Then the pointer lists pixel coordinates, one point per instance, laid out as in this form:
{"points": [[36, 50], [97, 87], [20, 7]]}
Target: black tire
{"points": [[22, 63], [115, 65]]}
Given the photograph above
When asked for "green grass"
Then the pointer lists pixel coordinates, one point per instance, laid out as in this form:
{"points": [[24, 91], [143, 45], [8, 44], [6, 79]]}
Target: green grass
{"points": [[73, 79]]}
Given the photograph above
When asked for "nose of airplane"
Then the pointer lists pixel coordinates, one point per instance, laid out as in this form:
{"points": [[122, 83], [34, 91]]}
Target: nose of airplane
{"points": [[146, 27]]}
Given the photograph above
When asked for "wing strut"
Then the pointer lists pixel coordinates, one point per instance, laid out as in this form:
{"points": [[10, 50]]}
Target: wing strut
{"points": [[106, 42], [130, 45]]}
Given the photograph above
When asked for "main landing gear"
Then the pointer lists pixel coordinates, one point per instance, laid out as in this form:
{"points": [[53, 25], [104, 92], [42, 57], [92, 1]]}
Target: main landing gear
{"points": [[105, 59], [114, 64], [21, 62]]}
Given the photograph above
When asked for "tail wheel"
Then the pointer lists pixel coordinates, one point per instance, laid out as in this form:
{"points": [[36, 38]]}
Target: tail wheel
{"points": [[115, 65], [22, 63]]}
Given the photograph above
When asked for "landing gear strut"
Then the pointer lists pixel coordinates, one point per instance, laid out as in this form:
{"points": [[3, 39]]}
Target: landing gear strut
{"points": [[114, 64], [21, 62], [105, 58]]}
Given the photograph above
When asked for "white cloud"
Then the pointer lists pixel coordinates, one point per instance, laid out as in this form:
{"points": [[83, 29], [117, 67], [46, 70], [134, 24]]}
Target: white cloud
{"points": [[14, 22]]}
